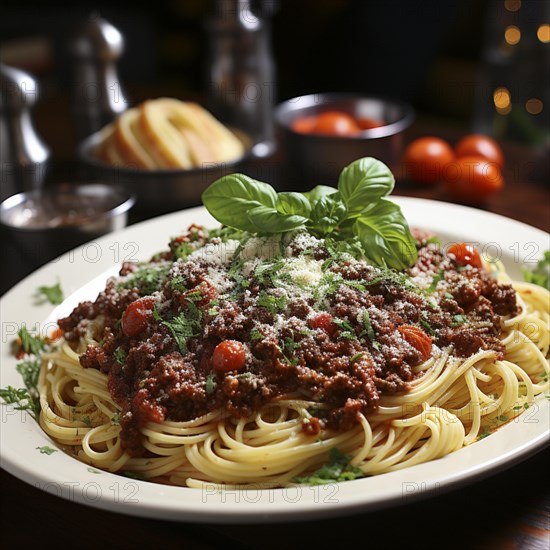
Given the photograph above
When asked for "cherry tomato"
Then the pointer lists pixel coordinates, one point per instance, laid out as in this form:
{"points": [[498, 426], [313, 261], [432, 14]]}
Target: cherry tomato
{"points": [[335, 123], [368, 123], [472, 179], [303, 124], [426, 159], [477, 145], [323, 321], [418, 339], [137, 315], [465, 254], [311, 425], [229, 355]]}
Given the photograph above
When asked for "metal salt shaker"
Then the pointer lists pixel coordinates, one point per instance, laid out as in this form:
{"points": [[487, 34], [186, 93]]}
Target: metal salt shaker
{"points": [[241, 77], [23, 155], [97, 96]]}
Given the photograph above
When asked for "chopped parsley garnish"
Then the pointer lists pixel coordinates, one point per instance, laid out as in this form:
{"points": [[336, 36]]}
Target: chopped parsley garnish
{"points": [[147, 279], [484, 433], [348, 332], [194, 296], [178, 283], [272, 303], [226, 233], [426, 323], [290, 345], [46, 450], [115, 419], [255, 334], [184, 250], [329, 284], [459, 320], [210, 384], [29, 371], [355, 357], [19, 397], [267, 272], [368, 330], [87, 420], [27, 398], [540, 275], [185, 325], [337, 469], [52, 294], [434, 240], [214, 311], [120, 356], [525, 406], [182, 328], [438, 277], [30, 344]]}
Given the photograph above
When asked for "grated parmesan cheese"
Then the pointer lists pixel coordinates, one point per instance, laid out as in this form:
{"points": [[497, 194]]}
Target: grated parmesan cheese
{"points": [[216, 253]]}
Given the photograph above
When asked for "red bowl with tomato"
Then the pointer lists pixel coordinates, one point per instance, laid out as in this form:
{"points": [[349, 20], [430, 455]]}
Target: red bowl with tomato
{"points": [[322, 133]]}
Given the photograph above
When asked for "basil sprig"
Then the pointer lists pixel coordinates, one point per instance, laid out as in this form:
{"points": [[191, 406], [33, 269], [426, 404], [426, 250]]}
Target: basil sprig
{"points": [[356, 210]]}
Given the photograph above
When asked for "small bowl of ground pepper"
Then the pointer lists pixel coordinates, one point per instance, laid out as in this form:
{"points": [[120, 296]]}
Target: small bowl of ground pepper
{"points": [[50, 221]]}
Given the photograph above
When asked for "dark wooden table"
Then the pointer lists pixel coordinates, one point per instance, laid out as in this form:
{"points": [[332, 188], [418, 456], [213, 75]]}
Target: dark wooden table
{"points": [[505, 511]]}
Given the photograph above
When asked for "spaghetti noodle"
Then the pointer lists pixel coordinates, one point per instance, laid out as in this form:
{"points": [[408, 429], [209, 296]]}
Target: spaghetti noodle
{"points": [[453, 397]]}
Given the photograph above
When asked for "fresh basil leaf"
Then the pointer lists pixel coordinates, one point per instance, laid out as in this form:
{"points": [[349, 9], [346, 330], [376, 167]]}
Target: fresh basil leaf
{"points": [[325, 216], [268, 220], [317, 193], [293, 203], [385, 236], [329, 211], [363, 182], [230, 198]]}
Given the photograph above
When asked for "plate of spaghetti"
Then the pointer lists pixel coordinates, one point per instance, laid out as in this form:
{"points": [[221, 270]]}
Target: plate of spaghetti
{"points": [[279, 356]]}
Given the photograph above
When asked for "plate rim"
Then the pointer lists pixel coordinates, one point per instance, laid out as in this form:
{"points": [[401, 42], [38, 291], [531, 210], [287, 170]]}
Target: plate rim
{"points": [[158, 502]]}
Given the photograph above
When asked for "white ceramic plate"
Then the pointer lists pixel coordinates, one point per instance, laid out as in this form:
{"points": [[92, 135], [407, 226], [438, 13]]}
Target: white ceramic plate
{"points": [[82, 274]]}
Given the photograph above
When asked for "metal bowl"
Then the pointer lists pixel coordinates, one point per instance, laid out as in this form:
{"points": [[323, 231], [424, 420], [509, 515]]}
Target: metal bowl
{"points": [[44, 223], [158, 191], [320, 157]]}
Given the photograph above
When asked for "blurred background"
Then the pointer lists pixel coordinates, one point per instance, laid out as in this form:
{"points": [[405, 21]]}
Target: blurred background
{"points": [[463, 65], [465, 61]]}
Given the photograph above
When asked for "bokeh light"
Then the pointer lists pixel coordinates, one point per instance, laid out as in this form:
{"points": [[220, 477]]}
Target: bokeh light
{"points": [[502, 100], [543, 33], [534, 106], [512, 5], [512, 35]]}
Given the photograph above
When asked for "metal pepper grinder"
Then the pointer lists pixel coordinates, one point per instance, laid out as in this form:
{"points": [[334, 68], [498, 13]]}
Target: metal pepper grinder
{"points": [[241, 69], [23, 155], [97, 96]]}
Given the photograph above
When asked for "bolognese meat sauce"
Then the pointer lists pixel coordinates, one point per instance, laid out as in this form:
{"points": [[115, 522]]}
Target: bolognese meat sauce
{"points": [[219, 324]]}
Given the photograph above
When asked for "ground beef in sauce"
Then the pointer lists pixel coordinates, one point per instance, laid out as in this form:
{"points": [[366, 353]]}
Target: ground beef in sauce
{"points": [[343, 359]]}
